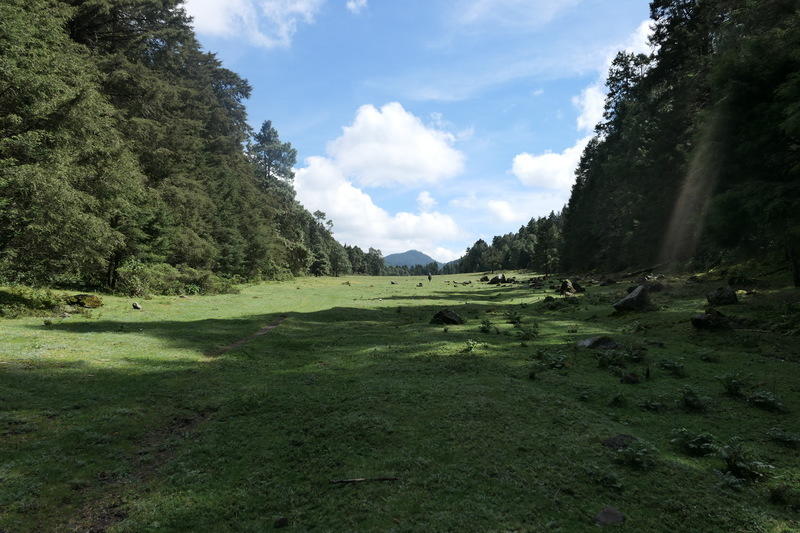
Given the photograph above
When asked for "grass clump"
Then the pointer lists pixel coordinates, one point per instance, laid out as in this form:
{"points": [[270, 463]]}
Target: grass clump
{"points": [[733, 384], [692, 401], [640, 455], [767, 401], [783, 437], [742, 464], [694, 444]]}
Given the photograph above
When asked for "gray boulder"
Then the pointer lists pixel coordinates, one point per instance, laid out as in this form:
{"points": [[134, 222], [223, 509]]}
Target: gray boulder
{"points": [[637, 300]]}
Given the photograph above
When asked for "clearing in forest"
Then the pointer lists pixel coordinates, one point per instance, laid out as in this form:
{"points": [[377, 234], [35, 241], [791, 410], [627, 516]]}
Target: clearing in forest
{"points": [[122, 421]]}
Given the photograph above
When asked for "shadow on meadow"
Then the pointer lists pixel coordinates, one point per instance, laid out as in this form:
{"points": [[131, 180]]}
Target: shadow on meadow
{"points": [[339, 393]]}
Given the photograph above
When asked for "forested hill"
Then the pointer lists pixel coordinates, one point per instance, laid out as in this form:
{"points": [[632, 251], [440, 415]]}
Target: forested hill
{"points": [[697, 159], [126, 157]]}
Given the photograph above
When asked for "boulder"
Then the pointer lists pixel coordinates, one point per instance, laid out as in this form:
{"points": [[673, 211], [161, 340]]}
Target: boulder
{"points": [[711, 319], [601, 342], [637, 300], [497, 280], [567, 287], [448, 317], [722, 296], [89, 301], [393, 282], [484, 278], [609, 516], [136, 306], [419, 284]]}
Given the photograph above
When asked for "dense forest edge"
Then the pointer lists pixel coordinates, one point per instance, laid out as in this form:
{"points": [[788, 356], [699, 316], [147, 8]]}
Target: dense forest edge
{"points": [[127, 162], [696, 162]]}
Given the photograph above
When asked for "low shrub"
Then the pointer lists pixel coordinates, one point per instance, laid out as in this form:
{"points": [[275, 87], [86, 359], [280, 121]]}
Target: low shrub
{"points": [[20, 300], [783, 437], [691, 401], [694, 444], [767, 401], [734, 384], [135, 278], [741, 464], [640, 455]]}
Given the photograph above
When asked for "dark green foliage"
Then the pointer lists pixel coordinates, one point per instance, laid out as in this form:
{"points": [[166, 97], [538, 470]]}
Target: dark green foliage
{"points": [[120, 140], [767, 401], [21, 301], [734, 385], [143, 279], [639, 454], [695, 444], [741, 464], [783, 437], [692, 401]]}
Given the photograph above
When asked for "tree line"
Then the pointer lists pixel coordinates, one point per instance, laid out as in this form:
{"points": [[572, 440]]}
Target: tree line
{"points": [[125, 155], [697, 159]]}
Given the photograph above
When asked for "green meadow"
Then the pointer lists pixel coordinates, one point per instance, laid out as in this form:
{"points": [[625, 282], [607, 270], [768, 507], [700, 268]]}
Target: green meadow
{"points": [[125, 421]]}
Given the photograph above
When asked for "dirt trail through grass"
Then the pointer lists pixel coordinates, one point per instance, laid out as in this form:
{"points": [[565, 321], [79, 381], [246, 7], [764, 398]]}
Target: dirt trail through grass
{"points": [[241, 342]]}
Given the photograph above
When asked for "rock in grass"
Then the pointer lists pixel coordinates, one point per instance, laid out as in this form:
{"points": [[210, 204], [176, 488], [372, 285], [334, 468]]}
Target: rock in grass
{"points": [[497, 280], [601, 342], [447, 316], [722, 296], [609, 516], [619, 442], [566, 287], [136, 306], [637, 300], [89, 301], [711, 320]]}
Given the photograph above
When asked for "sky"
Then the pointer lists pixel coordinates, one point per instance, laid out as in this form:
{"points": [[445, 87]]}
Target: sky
{"points": [[426, 124]]}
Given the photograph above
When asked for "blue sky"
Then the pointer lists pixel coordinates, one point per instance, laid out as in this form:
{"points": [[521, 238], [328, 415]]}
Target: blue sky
{"points": [[426, 124]]}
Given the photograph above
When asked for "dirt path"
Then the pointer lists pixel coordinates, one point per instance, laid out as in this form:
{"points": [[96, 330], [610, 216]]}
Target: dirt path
{"points": [[263, 331]]}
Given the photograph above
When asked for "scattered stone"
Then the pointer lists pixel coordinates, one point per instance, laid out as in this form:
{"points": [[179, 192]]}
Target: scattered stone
{"points": [[722, 296], [447, 316], [419, 284], [609, 516], [136, 306], [566, 287], [393, 282], [89, 301], [631, 379], [281, 522], [619, 442], [637, 300], [497, 280], [345, 283], [484, 278], [601, 342], [711, 319]]}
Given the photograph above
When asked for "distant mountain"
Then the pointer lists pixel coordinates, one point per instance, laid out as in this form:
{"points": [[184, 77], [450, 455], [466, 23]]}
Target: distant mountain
{"points": [[409, 258]]}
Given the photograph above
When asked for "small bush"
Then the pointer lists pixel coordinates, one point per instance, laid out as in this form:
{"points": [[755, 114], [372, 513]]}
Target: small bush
{"points": [[790, 440], [486, 326], [692, 401], [135, 278], [513, 317], [20, 301], [767, 401], [470, 346], [734, 384], [528, 333], [694, 444], [640, 455], [741, 464]]}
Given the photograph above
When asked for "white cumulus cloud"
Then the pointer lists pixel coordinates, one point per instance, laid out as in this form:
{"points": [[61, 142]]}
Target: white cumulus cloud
{"points": [[265, 23], [550, 170], [355, 6], [390, 146], [425, 201]]}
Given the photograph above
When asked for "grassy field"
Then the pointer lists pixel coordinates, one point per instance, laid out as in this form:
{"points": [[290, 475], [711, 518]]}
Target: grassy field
{"points": [[131, 421]]}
